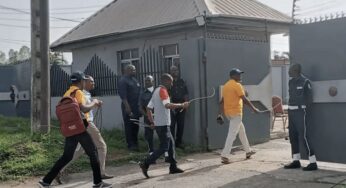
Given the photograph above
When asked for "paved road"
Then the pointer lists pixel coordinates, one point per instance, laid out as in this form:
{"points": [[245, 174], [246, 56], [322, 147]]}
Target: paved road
{"points": [[205, 170]]}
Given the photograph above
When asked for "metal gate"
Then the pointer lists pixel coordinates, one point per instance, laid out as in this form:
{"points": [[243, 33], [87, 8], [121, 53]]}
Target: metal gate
{"points": [[59, 81], [15, 89], [106, 81], [321, 50]]}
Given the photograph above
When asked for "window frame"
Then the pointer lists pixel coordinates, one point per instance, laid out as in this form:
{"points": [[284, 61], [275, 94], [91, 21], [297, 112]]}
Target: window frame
{"points": [[126, 61]]}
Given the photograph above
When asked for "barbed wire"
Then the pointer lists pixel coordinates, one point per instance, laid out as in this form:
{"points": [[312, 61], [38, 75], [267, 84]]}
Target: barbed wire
{"points": [[308, 11]]}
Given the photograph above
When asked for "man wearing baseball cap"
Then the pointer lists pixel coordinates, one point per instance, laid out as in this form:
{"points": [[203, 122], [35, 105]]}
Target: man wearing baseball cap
{"points": [[231, 105], [84, 138]]}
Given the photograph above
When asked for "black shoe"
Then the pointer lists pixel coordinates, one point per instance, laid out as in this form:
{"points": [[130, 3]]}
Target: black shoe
{"points": [[311, 167], [144, 168], [102, 185], [43, 184], [293, 165], [175, 170], [106, 176]]}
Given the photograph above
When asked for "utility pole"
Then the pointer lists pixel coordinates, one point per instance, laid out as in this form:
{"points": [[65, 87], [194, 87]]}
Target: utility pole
{"points": [[294, 10], [40, 67]]}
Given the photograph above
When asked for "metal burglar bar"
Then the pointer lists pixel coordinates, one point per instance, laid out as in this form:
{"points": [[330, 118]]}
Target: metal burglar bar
{"points": [[106, 82], [151, 63], [59, 81]]}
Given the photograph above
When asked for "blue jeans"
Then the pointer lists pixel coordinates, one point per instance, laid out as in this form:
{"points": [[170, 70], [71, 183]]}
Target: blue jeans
{"points": [[166, 144]]}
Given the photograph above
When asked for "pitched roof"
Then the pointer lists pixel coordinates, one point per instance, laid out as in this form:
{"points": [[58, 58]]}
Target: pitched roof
{"points": [[122, 16], [246, 9]]}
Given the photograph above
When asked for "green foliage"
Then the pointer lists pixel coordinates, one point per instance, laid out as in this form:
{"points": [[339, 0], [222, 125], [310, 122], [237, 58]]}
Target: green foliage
{"points": [[24, 155]]}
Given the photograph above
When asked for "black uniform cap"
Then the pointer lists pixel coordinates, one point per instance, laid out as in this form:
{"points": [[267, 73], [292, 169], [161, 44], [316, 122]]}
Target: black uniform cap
{"points": [[235, 71]]}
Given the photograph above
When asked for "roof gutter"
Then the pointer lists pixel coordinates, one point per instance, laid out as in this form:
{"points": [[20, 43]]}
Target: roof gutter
{"points": [[67, 46], [117, 35]]}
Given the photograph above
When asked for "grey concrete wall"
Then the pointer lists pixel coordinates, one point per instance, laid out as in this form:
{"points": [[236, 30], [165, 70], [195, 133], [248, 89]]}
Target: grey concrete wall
{"points": [[280, 80], [253, 59], [190, 62], [320, 48]]}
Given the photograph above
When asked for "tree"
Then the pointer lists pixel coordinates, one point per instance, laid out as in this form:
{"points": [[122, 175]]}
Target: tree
{"points": [[276, 55], [57, 58], [2, 58], [24, 53], [285, 55], [12, 56]]}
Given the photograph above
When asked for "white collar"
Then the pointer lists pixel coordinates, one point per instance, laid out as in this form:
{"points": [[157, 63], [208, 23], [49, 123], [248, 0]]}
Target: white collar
{"points": [[151, 89]]}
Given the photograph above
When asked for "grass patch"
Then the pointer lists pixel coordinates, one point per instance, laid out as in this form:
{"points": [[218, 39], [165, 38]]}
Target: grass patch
{"points": [[24, 155]]}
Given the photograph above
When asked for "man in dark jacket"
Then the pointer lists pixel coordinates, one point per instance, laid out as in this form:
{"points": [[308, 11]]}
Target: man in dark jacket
{"points": [[178, 94], [129, 89], [299, 104], [144, 99]]}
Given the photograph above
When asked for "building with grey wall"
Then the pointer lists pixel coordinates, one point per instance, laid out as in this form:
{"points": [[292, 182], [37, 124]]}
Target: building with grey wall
{"points": [[205, 38]]}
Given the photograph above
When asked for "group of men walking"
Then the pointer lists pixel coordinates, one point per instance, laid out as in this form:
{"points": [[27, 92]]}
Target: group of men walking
{"points": [[136, 102], [168, 102]]}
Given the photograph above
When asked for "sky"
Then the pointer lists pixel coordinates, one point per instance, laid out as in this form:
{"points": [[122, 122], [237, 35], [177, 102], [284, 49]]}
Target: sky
{"points": [[15, 27]]}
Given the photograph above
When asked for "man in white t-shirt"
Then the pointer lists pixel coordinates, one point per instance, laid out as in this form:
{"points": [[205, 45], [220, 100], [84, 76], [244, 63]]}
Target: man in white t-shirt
{"points": [[160, 102]]}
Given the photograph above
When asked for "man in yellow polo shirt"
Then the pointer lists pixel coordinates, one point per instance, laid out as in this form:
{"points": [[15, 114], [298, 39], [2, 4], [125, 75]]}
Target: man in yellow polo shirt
{"points": [[231, 105], [84, 138]]}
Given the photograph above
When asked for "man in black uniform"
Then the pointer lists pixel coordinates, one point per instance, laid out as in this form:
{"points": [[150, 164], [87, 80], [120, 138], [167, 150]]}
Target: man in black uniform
{"points": [[129, 89], [300, 100], [144, 99], [178, 94]]}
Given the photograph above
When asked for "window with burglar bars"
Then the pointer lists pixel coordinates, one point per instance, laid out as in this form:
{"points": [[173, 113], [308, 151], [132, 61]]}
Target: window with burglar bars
{"points": [[170, 54], [106, 81], [127, 57], [151, 63], [59, 81]]}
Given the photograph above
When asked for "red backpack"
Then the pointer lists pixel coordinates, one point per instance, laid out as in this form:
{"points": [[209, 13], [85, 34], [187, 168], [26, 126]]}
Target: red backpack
{"points": [[70, 116]]}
